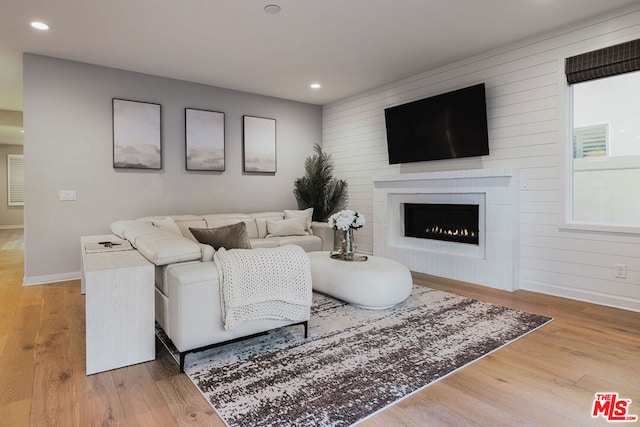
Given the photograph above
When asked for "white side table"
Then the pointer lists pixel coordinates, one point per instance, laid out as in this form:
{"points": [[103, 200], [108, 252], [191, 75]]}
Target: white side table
{"points": [[120, 312]]}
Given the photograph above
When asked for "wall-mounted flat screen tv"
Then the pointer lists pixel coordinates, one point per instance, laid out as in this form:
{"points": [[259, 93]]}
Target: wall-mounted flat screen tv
{"points": [[447, 126]]}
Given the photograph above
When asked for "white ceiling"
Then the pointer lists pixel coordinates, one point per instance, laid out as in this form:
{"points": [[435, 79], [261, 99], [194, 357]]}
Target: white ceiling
{"points": [[348, 46]]}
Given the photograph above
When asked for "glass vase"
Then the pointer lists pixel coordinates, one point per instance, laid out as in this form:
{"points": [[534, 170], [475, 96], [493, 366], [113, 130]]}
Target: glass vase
{"points": [[348, 247]]}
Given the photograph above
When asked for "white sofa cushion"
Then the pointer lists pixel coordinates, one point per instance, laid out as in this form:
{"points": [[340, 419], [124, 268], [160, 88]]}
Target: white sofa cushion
{"points": [[132, 229], [261, 221], [167, 220], [308, 243], [167, 224], [184, 227], [264, 243], [296, 226], [163, 248], [206, 252], [157, 245], [306, 213]]}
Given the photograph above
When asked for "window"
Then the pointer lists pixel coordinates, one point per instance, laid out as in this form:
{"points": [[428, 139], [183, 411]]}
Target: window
{"points": [[605, 166], [15, 179]]}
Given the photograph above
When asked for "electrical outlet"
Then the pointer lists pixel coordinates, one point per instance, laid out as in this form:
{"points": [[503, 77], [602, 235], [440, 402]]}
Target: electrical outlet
{"points": [[524, 183], [620, 271], [68, 195]]}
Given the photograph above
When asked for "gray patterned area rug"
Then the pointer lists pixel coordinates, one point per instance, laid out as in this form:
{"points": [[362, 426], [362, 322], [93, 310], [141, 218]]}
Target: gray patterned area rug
{"points": [[355, 362]]}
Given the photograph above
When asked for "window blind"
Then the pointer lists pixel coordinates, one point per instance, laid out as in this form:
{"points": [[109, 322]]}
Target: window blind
{"points": [[15, 179], [590, 141], [610, 61]]}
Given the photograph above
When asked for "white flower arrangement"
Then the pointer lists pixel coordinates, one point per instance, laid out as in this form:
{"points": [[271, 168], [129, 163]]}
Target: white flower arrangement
{"points": [[346, 219]]}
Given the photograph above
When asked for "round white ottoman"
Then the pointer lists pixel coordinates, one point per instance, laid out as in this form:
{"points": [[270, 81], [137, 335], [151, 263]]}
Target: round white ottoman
{"points": [[374, 284]]}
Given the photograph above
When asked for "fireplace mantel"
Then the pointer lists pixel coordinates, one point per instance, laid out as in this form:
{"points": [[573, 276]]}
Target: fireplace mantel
{"points": [[456, 174], [496, 190]]}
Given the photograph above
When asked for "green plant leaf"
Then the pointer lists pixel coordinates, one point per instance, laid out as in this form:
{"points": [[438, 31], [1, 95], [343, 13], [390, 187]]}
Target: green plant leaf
{"points": [[318, 188]]}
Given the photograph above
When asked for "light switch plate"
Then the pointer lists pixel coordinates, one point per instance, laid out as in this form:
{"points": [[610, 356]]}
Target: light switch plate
{"points": [[68, 195]]}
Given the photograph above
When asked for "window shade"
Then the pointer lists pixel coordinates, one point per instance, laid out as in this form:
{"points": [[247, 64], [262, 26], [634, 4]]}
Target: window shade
{"points": [[15, 178], [610, 61]]}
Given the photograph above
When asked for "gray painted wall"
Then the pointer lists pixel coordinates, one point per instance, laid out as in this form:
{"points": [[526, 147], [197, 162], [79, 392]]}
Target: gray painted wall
{"points": [[10, 216], [68, 146]]}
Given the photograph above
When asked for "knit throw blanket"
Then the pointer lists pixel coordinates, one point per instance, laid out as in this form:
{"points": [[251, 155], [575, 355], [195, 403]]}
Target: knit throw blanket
{"points": [[264, 283]]}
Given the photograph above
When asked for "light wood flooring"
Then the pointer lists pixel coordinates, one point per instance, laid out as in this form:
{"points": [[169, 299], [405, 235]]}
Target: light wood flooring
{"points": [[547, 378], [12, 238]]}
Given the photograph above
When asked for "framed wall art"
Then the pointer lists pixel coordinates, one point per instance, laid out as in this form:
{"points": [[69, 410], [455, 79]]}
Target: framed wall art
{"points": [[137, 141], [259, 144], [204, 140]]}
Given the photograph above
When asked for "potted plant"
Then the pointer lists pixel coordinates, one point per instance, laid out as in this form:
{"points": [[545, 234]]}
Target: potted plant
{"points": [[318, 189]]}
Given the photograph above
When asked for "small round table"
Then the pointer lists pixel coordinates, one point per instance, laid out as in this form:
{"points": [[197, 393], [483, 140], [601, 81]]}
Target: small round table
{"points": [[377, 283]]}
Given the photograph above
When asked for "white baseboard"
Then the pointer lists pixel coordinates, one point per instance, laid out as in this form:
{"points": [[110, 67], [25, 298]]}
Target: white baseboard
{"points": [[50, 278], [10, 227], [599, 298]]}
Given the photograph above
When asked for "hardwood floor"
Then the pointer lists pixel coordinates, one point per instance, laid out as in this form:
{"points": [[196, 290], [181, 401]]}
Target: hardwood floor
{"points": [[547, 378]]}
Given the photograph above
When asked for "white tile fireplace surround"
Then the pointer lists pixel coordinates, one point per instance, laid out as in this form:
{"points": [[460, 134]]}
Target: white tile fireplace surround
{"points": [[493, 262]]}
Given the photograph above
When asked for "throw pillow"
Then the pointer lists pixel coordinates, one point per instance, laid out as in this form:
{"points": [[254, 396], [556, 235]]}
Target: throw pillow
{"points": [[167, 224], [229, 237], [307, 213], [287, 227]]}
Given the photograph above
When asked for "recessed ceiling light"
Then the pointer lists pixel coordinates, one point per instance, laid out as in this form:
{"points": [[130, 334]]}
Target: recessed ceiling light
{"points": [[38, 25], [272, 8], [315, 85]]}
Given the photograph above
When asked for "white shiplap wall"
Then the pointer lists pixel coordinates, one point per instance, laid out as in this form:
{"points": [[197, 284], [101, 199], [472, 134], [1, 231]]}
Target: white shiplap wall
{"points": [[526, 101]]}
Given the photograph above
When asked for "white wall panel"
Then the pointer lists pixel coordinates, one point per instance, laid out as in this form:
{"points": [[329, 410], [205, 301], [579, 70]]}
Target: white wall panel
{"points": [[525, 99]]}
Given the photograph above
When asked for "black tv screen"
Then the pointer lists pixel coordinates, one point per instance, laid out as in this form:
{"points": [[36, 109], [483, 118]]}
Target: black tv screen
{"points": [[447, 126]]}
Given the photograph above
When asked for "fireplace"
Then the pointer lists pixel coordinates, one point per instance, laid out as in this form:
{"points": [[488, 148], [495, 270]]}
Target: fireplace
{"points": [[447, 222], [492, 261]]}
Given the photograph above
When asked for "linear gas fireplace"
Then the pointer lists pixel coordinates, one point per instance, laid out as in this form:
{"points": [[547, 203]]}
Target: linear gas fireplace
{"points": [[492, 260], [438, 221]]}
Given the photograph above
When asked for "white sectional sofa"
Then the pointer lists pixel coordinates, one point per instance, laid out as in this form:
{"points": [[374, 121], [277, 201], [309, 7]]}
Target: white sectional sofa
{"points": [[187, 298]]}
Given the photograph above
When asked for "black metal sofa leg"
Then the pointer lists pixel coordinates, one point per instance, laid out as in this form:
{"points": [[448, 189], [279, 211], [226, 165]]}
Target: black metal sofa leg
{"points": [[182, 357], [183, 354]]}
